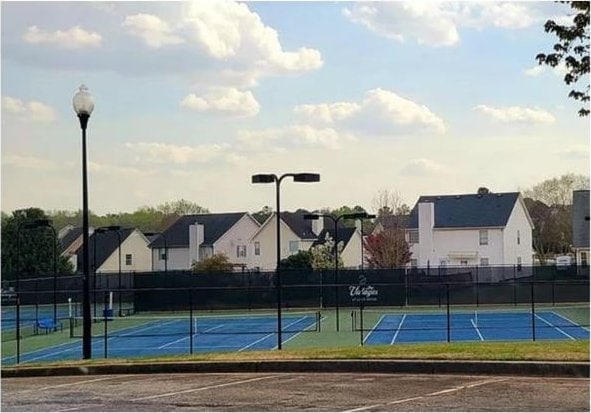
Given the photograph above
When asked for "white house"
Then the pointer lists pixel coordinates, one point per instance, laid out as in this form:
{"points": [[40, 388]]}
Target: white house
{"points": [[70, 239], [349, 239], [580, 222], [104, 251], [192, 238], [297, 234], [468, 230]]}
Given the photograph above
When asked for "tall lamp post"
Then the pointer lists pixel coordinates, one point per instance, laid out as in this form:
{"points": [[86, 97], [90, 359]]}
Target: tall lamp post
{"points": [[39, 223], [83, 104], [267, 179], [149, 234], [358, 215]]}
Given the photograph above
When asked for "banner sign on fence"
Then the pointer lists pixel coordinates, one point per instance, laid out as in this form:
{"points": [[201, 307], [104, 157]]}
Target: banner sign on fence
{"points": [[363, 291]]}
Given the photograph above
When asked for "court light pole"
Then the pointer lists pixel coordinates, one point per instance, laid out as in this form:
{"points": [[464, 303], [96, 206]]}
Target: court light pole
{"points": [[335, 220], [83, 104], [267, 179]]}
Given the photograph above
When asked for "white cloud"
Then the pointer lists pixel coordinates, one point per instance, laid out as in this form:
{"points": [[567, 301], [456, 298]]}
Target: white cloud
{"points": [[154, 31], [296, 135], [559, 70], [32, 110], [74, 38], [28, 162], [576, 152], [223, 100], [534, 71], [381, 112], [516, 114], [421, 167], [436, 23], [181, 154]]}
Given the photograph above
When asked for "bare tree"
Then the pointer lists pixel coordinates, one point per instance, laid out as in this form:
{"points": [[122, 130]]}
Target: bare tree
{"points": [[387, 202], [557, 191]]}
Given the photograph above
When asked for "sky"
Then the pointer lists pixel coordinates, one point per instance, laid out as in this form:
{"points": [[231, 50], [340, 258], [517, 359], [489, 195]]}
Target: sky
{"points": [[192, 98]]}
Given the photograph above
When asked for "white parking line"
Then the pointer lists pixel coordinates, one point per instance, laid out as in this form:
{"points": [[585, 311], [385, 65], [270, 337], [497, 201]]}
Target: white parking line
{"points": [[216, 386], [57, 386]]}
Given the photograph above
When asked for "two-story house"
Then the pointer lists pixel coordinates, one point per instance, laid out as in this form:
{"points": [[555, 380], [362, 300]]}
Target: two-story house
{"points": [[191, 238], [580, 222], [473, 229], [349, 242]]}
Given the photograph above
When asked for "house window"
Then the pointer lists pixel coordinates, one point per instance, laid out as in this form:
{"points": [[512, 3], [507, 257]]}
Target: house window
{"points": [[413, 236], [518, 263], [162, 253], [257, 248], [294, 246], [241, 250], [484, 262], [464, 263], [518, 238], [484, 237], [128, 259]]}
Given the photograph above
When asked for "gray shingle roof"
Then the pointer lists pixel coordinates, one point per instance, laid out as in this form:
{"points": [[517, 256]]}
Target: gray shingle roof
{"points": [[106, 244], [215, 225], [580, 219], [344, 235], [468, 211], [302, 227], [71, 236]]}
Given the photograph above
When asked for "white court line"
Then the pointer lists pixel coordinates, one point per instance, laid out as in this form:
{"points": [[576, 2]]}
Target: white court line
{"points": [[300, 332], [553, 326], [270, 335], [194, 334], [477, 330], [57, 386], [437, 393], [572, 322], [398, 329], [374, 327], [232, 383]]}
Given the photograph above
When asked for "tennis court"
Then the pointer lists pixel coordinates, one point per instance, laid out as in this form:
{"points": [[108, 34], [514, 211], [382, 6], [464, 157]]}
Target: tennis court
{"points": [[473, 326], [128, 337]]}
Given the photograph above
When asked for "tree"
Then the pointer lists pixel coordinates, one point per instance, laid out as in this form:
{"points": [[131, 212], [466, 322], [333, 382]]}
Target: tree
{"points": [[549, 206], [215, 263], [300, 261], [323, 254], [35, 256], [181, 207], [387, 249], [389, 203], [572, 49]]}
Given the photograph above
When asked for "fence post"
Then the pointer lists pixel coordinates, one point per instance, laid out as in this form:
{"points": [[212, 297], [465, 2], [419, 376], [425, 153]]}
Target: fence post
{"points": [[361, 320], [37, 301], [406, 287], [514, 286], [105, 320], [439, 285], [321, 289], [553, 285], [119, 300], [191, 320], [477, 289], [448, 315], [533, 313], [18, 327]]}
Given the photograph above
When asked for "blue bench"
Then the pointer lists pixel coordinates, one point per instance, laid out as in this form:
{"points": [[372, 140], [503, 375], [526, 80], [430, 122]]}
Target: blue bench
{"points": [[48, 324]]}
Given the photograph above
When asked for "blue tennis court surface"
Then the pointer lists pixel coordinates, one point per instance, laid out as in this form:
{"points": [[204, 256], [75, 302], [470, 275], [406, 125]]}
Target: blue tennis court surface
{"points": [[151, 337], [493, 326]]}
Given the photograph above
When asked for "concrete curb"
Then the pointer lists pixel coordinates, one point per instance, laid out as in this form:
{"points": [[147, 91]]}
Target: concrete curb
{"points": [[512, 368]]}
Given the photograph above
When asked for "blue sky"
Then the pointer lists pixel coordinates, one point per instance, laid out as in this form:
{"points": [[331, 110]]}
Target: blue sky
{"points": [[193, 98]]}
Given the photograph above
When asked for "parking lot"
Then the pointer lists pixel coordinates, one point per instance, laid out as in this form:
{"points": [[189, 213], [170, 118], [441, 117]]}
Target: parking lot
{"points": [[294, 392]]}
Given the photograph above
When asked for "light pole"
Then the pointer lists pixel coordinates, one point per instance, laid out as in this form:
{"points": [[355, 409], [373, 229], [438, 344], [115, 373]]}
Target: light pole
{"points": [[358, 215], [149, 234], [83, 104], [267, 179], [39, 223]]}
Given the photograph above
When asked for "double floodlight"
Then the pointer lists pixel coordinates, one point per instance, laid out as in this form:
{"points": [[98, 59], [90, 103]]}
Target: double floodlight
{"points": [[301, 177], [108, 228]]}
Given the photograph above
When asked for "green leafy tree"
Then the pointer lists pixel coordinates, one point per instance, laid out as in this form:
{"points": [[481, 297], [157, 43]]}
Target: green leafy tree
{"points": [[216, 263], [181, 207], [572, 49], [300, 261], [35, 256]]}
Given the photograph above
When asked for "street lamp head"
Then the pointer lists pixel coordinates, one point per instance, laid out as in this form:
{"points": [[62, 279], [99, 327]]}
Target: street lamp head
{"points": [[306, 177], [356, 215], [263, 178], [312, 217], [101, 230], [83, 102], [370, 216]]}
